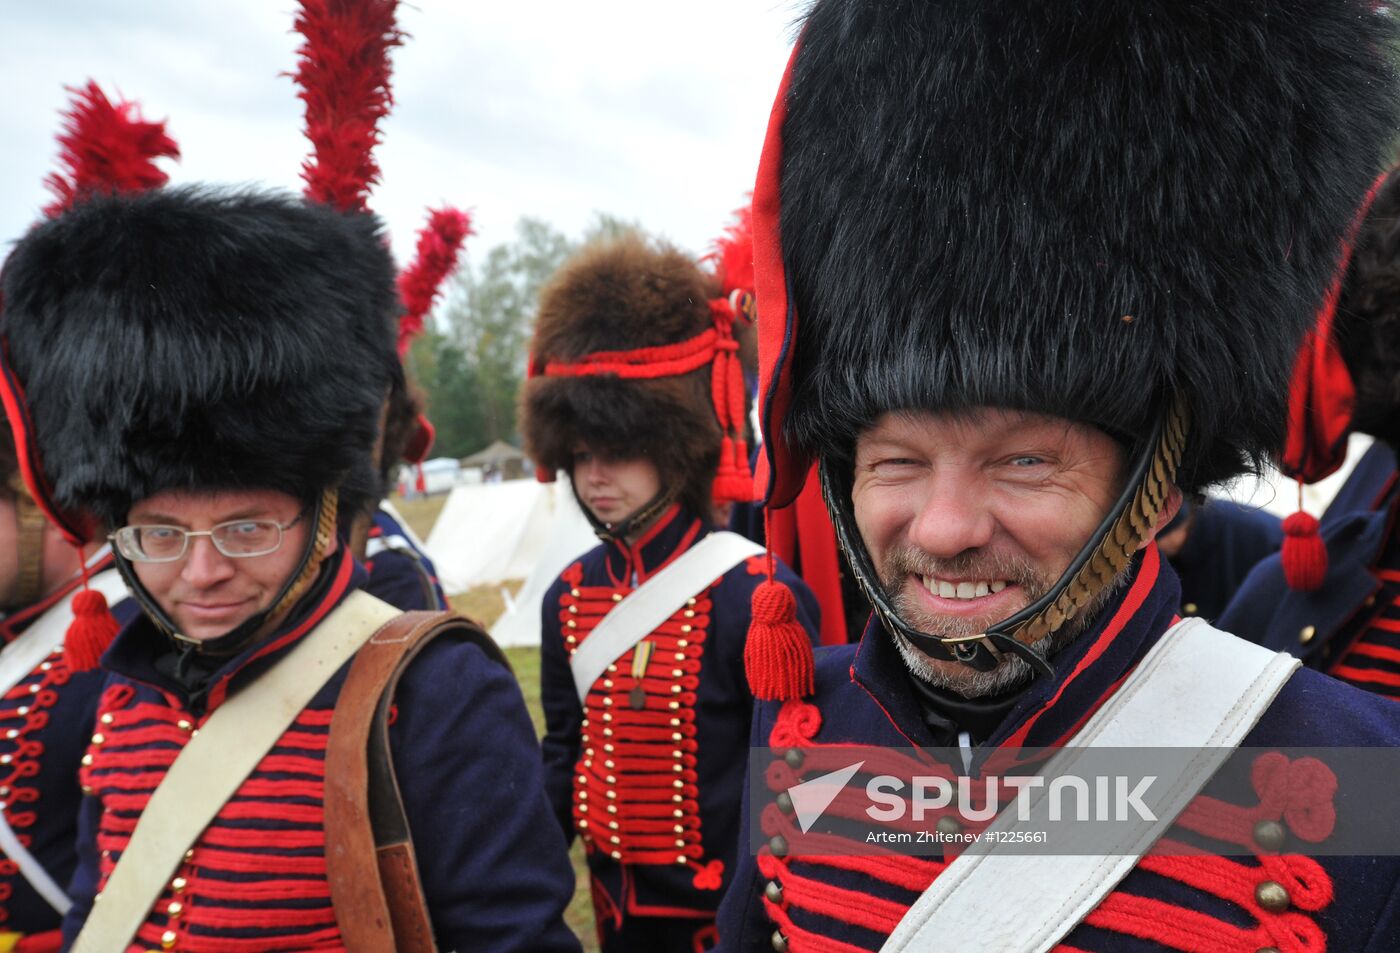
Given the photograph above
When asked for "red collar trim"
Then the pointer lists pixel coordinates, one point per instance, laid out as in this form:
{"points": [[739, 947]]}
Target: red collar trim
{"points": [[339, 586], [1137, 595]]}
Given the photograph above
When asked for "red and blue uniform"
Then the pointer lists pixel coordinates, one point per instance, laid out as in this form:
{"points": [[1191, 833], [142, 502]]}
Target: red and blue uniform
{"points": [[674, 767], [494, 870], [843, 904], [400, 572], [45, 722]]}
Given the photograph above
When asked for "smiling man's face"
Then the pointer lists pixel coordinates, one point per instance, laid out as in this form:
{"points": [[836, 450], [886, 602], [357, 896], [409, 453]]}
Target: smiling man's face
{"points": [[970, 518], [205, 593]]}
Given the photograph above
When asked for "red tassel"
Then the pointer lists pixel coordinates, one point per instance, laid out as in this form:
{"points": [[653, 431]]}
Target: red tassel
{"points": [[778, 655], [90, 633], [1304, 553]]}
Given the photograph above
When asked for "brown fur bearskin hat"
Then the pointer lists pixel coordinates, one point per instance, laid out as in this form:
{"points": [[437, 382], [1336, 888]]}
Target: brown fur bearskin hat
{"points": [[622, 295]]}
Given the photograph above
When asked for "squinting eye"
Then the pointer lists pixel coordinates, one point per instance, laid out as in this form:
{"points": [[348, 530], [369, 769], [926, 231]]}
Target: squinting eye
{"points": [[244, 529], [1026, 461], [159, 534]]}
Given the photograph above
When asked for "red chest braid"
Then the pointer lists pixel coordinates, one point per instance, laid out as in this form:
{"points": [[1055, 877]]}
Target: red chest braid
{"points": [[256, 878], [635, 795], [812, 898], [23, 714]]}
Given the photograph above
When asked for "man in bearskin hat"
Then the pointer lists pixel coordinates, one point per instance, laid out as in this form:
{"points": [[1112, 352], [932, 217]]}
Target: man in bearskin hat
{"points": [[199, 374], [49, 681], [636, 395], [1333, 598], [1028, 274]]}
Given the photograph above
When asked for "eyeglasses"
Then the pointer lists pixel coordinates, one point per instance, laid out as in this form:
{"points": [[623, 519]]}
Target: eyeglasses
{"points": [[236, 539]]}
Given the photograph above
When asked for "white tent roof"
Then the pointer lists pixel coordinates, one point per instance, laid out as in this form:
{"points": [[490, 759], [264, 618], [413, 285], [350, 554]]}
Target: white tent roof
{"points": [[521, 529]]}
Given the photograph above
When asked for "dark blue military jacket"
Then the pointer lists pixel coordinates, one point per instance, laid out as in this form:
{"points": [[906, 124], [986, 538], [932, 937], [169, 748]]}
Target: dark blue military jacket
{"points": [[494, 868], [45, 722], [673, 768], [400, 572], [1226, 541], [863, 696]]}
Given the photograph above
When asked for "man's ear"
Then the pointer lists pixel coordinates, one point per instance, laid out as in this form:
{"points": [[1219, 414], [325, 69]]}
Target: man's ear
{"points": [[1169, 511]]}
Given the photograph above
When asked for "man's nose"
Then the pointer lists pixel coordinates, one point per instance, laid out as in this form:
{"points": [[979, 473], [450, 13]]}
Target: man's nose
{"points": [[205, 566], [954, 515]]}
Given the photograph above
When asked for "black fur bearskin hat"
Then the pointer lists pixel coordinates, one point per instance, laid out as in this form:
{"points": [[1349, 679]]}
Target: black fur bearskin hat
{"points": [[1368, 316], [625, 294], [1077, 208], [199, 339]]}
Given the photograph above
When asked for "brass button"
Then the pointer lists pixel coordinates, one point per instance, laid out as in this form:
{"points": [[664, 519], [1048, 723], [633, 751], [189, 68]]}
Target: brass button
{"points": [[174, 910], [87, 761], [184, 724], [98, 738], [107, 719], [1308, 634], [167, 939], [948, 826], [778, 845], [774, 891], [785, 802], [1270, 835], [189, 855], [1370, 601], [617, 597], [1271, 896], [179, 884], [780, 942], [794, 757], [1190, 608]]}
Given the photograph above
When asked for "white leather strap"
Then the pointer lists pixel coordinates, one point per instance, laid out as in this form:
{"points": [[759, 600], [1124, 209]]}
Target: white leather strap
{"points": [[1197, 688], [655, 601], [31, 870], [215, 762]]}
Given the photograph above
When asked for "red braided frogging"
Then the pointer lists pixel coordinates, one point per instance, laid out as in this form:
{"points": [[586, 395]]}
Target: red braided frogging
{"points": [[1298, 794]]}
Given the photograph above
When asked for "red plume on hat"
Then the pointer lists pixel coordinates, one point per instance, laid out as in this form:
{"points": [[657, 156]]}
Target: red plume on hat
{"points": [[1321, 400], [343, 72], [439, 244], [106, 148]]}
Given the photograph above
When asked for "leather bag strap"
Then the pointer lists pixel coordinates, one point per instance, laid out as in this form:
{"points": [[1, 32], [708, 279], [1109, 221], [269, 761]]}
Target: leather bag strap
{"points": [[370, 862]]}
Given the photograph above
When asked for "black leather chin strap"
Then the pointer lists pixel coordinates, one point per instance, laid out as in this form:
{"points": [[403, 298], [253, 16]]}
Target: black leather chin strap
{"points": [[638, 521], [1105, 554]]}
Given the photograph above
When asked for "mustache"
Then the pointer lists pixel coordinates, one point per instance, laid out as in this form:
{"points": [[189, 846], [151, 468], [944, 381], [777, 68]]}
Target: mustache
{"points": [[903, 561]]}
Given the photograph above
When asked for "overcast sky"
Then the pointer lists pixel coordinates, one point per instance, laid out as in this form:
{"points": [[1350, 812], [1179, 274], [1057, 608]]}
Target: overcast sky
{"points": [[652, 110]]}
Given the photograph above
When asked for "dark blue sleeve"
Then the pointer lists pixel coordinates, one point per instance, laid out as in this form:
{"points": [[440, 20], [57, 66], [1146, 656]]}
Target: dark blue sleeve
{"points": [[741, 921], [495, 870], [563, 716], [83, 886], [404, 582], [1250, 611]]}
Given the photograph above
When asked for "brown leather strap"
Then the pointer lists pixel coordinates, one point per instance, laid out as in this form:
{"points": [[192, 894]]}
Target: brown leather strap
{"points": [[370, 863]]}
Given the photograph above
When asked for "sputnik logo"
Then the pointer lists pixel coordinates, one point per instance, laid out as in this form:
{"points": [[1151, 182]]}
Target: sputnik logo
{"points": [[810, 799]]}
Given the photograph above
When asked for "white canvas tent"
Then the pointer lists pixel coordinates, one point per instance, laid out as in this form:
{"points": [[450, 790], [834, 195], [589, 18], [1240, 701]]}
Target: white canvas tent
{"points": [[490, 533]]}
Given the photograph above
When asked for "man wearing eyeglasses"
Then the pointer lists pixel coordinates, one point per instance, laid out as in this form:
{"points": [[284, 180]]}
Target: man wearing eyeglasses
{"points": [[199, 375]]}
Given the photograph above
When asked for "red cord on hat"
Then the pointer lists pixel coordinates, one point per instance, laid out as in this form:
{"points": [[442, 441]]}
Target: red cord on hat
{"points": [[716, 347], [778, 655], [93, 627], [1304, 553]]}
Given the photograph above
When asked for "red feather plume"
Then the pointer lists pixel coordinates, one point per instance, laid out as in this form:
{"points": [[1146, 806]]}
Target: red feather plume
{"points": [[439, 243], [733, 254], [343, 71], [106, 148]]}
